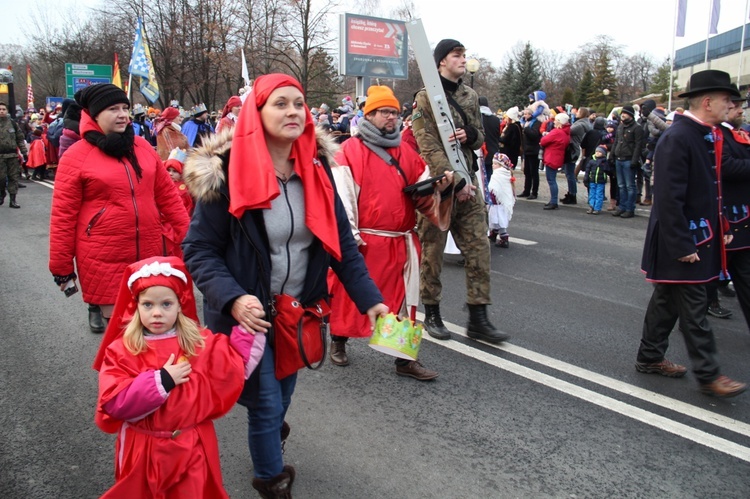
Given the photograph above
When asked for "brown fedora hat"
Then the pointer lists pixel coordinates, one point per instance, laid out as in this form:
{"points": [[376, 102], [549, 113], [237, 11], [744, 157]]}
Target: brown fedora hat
{"points": [[710, 80]]}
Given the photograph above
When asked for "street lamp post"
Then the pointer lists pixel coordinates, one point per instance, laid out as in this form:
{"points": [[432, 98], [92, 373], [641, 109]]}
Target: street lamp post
{"points": [[606, 95], [472, 66]]}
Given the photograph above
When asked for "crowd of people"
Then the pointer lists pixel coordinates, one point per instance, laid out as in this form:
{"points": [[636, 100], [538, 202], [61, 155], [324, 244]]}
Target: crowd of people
{"points": [[271, 199]]}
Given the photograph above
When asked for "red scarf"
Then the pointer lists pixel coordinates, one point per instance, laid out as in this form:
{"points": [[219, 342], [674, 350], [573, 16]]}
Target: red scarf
{"points": [[252, 178], [741, 136], [723, 222]]}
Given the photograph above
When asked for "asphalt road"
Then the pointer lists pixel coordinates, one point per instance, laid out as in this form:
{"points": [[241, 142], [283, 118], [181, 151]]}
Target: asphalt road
{"points": [[557, 412]]}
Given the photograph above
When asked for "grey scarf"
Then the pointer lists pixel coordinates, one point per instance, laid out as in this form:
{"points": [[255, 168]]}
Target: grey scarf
{"points": [[371, 134]]}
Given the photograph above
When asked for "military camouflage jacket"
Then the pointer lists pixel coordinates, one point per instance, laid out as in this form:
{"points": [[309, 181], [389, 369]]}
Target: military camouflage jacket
{"points": [[11, 137], [426, 132]]}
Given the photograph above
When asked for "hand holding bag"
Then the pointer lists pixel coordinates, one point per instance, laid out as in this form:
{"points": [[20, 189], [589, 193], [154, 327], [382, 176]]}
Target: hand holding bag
{"points": [[300, 334]]}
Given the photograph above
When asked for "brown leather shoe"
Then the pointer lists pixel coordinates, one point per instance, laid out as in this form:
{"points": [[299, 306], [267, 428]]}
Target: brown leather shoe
{"points": [[665, 368], [723, 387], [338, 353], [416, 371]]}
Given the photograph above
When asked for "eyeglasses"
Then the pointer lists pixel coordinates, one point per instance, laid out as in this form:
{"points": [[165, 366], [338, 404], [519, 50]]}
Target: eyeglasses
{"points": [[387, 113]]}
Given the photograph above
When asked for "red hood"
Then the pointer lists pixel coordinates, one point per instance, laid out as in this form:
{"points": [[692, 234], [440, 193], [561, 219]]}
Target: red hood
{"points": [[88, 124]]}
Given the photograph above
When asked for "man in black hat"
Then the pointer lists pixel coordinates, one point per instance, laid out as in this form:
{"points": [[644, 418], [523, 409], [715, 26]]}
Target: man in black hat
{"points": [[735, 165], [685, 240], [469, 217]]}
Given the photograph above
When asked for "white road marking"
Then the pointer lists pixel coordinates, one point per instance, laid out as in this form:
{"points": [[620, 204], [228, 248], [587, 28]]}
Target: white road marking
{"points": [[666, 424], [522, 242], [45, 183]]}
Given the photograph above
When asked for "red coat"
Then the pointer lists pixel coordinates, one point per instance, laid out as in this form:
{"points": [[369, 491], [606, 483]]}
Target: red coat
{"points": [[374, 198], [147, 465], [104, 218], [37, 154], [554, 144]]}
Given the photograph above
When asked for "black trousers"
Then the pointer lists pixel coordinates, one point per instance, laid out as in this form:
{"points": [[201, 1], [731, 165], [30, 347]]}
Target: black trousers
{"points": [[531, 174], [739, 268], [686, 303]]}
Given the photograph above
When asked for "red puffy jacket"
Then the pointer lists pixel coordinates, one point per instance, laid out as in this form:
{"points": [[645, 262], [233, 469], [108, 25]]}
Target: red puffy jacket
{"points": [[554, 144], [105, 217]]}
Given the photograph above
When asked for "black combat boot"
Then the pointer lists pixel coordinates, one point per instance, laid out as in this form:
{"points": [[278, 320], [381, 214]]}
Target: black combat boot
{"points": [[480, 327], [13, 203], [278, 487], [2, 196], [96, 321], [433, 323]]}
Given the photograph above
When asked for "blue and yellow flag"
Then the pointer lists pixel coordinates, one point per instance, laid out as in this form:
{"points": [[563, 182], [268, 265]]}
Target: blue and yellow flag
{"points": [[142, 65]]}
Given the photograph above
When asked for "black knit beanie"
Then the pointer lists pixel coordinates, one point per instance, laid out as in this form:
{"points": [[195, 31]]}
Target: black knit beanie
{"points": [[97, 98], [445, 47]]}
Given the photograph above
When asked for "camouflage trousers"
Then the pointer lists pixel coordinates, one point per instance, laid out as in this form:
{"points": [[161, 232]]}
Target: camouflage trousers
{"points": [[11, 168], [469, 229]]}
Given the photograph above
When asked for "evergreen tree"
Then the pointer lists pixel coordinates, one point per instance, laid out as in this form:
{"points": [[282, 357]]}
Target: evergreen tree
{"points": [[660, 82], [528, 75], [508, 86], [567, 97], [584, 90], [604, 78]]}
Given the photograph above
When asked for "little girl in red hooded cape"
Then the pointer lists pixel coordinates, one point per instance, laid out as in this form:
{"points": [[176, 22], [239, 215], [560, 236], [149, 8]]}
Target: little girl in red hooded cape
{"points": [[162, 380]]}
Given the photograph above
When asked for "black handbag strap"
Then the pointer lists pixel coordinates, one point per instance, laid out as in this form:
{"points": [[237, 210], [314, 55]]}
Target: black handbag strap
{"points": [[383, 154], [324, 328], [459, 109]]}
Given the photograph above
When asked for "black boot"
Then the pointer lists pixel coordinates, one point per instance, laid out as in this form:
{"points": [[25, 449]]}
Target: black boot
{"points": [[278, 487], [492, 236], [96, 321], [2, 197], [480, 327], [433, 323], [13, 203]]}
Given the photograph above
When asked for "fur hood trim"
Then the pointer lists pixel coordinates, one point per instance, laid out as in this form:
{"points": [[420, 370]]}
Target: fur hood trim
{"points": [[205, 167]]}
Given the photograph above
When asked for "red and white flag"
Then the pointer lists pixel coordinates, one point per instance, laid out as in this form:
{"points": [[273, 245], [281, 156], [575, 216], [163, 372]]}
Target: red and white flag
{"points": [[29, 90]]}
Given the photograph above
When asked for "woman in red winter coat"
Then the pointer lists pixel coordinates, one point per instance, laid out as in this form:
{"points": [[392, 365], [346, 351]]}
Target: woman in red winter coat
{"points": [[554, 144], [110, 188]]}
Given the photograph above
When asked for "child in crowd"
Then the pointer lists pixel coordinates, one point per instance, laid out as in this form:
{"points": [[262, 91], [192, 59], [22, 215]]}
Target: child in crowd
{"points": [[162, 380], [595, 178], [37, 160], [503, 199], [174, 165]]}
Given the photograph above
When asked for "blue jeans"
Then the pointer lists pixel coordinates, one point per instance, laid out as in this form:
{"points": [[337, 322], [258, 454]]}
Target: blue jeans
{"points": [[570, 174], [596, 196], [269, 402], [552, 181], [626, 183]]}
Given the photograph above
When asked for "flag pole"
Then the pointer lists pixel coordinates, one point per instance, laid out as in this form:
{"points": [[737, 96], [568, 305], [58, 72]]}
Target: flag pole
{"points": [[742, 45], [671, 62]]}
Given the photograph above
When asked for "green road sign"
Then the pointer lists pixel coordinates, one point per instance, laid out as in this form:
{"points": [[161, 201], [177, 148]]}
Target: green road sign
{"points": [[78, 76]]}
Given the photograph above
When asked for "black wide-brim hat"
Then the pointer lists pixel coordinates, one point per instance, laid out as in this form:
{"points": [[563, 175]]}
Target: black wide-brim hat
{"points": [[710, 80]]}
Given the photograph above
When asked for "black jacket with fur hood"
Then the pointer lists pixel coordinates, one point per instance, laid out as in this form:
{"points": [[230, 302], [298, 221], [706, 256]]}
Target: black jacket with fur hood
{"points": [[228, 257]]}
